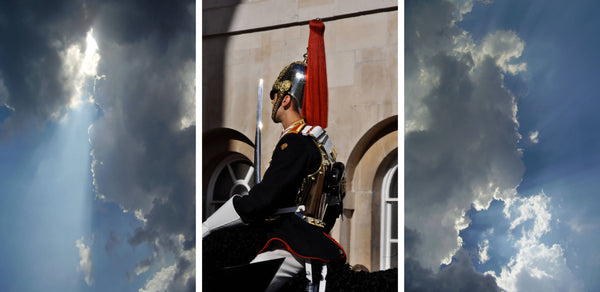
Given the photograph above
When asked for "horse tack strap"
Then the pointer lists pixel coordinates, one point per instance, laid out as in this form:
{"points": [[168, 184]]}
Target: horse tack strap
{"points": [[312, 286], [309, 274], [322, 282]]}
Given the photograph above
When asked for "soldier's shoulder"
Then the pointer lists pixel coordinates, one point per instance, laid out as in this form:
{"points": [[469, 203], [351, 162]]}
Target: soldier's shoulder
{"points": [[297, 138], [297, 141]]}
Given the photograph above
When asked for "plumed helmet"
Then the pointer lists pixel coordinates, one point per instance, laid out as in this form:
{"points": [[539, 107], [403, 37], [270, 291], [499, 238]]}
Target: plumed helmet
{"points": [[290, 81], [306, 81]]}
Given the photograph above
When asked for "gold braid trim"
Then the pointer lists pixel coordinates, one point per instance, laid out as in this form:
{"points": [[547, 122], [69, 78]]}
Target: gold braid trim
{"points": [[276, 107]]}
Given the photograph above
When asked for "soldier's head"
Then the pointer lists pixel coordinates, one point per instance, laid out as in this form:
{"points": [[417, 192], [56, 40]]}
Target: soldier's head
{"points": [[283, 107], [289, 84]]}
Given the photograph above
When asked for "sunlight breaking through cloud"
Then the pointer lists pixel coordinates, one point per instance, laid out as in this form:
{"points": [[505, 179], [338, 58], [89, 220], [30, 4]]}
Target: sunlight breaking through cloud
{"points": [[462, 137], [79, 66], [537, 266]]}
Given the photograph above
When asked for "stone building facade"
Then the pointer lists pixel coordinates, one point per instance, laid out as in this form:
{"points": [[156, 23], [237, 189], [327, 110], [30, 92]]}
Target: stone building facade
{"points": [[243, 41]]}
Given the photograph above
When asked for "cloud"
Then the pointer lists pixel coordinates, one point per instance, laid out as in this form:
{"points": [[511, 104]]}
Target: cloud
{"points": [[462, 7], [178, 277], [465, 6], [483, 251], [143, 145], [85, 263], [160, 281], [532, 208], [534, 137], [462, 148], [536, 266], [144, 265], [79, 66], [3, 92], [34, 38], [113, 242], [504, 47], [461, 153], [459, 275]]}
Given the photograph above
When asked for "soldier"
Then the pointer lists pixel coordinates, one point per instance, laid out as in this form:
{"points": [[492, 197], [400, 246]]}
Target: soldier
{"points": [[301, 193]]}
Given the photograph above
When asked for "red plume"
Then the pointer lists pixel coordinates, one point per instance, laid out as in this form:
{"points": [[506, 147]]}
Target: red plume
{"points": [[314, 108]]}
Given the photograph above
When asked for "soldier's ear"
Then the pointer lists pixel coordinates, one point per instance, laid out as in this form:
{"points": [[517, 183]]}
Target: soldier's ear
{"points": [[287, 100]]}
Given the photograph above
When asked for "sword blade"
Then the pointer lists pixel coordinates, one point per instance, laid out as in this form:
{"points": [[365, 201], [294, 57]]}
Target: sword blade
{"points": [[258, 130]]}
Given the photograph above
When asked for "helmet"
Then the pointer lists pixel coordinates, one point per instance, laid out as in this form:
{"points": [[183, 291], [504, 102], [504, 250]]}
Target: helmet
{"points": [[291, 82], [313, 100]]}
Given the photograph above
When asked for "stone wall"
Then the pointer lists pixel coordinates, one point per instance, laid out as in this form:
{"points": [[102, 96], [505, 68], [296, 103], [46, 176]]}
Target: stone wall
{"points": [[243, 41]]}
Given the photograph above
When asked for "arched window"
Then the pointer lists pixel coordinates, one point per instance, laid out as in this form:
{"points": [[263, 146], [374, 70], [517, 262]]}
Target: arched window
{"points": [[234, 175], [389, 220]]}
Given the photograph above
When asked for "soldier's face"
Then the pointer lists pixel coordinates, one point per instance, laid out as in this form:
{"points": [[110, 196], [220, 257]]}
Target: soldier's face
{"points": [[276, 119]]}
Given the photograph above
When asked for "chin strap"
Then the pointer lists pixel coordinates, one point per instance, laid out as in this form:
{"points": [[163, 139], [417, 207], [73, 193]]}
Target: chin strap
{"points": [[225, 216]]}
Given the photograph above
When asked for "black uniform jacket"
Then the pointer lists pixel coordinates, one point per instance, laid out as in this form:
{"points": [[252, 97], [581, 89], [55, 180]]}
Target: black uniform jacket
{"points": [[294, 158]]}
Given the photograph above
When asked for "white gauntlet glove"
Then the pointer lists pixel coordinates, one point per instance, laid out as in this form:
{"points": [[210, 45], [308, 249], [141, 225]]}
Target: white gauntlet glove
{"points": [[225, 216]]}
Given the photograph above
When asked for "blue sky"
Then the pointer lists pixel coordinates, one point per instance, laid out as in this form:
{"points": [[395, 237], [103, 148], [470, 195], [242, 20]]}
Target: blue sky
{"points": [[97, 146], [501, 147]]}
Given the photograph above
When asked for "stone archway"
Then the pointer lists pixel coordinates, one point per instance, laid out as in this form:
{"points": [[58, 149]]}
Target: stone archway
{"points": [[363, 170]]}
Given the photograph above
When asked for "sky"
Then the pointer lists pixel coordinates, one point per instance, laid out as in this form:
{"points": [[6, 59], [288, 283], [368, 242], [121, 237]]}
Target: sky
{"points": [[97, 145], [501, 147]]}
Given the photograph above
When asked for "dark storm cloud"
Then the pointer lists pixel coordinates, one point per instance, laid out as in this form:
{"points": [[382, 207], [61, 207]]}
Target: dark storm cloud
{"points": [[144, 143], [32, 38], [460, 275], [126, 22], [467, 155], [462, 134]]}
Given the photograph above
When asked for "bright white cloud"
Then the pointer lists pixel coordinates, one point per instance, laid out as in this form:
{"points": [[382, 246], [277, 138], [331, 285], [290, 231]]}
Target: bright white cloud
{"points": [[189, 97], [167, 278], [140, 215], [85, 263], [462, 7], [536, 266], [161, 280], [465, 6], [505, 47], [78, 67], [141, 268], [534, 137], [483, 251], [536, 208], [91, 58]]}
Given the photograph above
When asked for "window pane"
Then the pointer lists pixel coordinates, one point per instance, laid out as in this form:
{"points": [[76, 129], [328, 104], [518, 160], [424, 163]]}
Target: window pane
{"points": [[234, 175], [394, 220], [394, 185], [240, 169], [223, 186], [394, 255]]}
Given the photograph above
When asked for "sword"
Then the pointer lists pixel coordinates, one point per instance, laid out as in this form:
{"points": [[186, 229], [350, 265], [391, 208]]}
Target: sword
{"points": [[258, 129]]}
